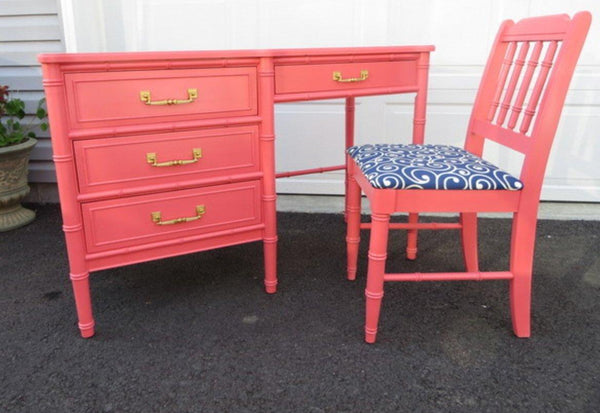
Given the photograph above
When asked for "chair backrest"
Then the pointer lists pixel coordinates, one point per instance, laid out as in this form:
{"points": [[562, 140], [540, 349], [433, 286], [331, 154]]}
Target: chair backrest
{"points": [[524, 86]]}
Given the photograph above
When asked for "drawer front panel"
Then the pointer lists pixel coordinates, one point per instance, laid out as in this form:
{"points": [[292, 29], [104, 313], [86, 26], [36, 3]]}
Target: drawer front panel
{"points": [[129, 162], [115, 98], [126, 222], [320, 77]]}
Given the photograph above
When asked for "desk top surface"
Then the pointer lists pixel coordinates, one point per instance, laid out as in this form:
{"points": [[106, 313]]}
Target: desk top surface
{"points": [[66, 58]]}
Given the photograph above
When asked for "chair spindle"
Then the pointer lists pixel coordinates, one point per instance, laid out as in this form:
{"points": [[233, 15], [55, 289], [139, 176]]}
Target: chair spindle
{"points": [[508, 95], [539, 86], [524, 87], [506, 65]]}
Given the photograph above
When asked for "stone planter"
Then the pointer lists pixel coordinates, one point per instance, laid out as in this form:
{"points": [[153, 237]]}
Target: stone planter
{"points": [[13, 185]]}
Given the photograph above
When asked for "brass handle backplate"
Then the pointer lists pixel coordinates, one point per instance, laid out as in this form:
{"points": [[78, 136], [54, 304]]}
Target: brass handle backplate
{"points": [[145, 97], [151, 158], [156, 217], [337, 76]]}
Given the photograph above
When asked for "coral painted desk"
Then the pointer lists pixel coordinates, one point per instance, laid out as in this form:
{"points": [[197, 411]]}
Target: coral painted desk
{"points": [[159, 154]]}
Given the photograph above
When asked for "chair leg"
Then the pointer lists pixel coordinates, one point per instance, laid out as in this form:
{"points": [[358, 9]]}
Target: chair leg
{"points": [[377, 257], [521, 264], [352, 226], [468, 232], [411, 240]]}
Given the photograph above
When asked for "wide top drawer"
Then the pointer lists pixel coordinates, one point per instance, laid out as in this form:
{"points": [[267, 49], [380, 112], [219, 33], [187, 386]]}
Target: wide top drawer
{"points": [[106, 99], [332, 77]]}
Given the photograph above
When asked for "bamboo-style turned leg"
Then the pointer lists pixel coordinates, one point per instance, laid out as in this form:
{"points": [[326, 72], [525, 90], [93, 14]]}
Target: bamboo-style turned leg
{"points": [[267, 154], [353, 226], [411, 237], [377, 258], [83, 303], [350, 109]]}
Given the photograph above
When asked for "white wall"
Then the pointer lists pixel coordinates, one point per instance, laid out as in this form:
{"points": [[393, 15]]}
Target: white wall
{"points": [[462, 31], [27, 28]]}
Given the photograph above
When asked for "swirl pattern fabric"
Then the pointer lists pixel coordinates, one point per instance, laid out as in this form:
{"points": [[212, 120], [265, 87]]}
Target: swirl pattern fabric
{"points": [[408, 166]]}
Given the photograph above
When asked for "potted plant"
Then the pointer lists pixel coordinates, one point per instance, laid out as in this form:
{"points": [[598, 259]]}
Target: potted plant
{"points": [[17, 139]]}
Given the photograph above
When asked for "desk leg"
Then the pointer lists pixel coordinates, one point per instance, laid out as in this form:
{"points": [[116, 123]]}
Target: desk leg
{"points": [[420, 108], [83, 303], [79, 273], [350, 110], [418, 138], [266, 75]]}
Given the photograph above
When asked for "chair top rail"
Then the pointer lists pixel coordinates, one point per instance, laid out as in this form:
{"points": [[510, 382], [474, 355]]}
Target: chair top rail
{"points": [[544, 28]]}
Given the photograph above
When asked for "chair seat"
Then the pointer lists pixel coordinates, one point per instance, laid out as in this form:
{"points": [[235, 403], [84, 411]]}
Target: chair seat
{"points": [[408, 166]]}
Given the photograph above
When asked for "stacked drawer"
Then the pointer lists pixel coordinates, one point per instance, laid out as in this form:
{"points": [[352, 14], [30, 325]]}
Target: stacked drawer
{"points": [[163, 157]]}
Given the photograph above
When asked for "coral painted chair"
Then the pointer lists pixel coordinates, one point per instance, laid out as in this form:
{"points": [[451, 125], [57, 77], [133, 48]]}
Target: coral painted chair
{"points": [[530, 65]]}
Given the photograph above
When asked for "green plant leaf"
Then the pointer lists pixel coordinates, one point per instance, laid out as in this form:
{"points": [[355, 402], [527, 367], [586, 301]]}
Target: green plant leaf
{"points": [[15, 106], [11, 112]]}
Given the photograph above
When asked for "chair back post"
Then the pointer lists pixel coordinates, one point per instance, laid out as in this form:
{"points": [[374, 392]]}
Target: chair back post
{"points": [[551, 104], [509, 77]]}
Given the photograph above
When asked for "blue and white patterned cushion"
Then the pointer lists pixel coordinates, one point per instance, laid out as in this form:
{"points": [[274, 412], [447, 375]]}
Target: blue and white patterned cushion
{"points": [[399, 166]]}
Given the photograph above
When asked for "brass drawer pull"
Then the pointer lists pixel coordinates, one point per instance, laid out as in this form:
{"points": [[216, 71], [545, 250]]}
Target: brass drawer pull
{"points": [[337, 76], [156, 218], [151, 158], [145, 97]]}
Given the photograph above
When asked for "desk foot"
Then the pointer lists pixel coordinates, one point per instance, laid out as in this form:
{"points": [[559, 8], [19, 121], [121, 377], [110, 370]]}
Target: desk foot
{"points": [[87, 330]]}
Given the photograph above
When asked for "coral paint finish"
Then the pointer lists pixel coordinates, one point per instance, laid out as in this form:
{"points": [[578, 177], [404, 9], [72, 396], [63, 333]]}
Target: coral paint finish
{"points": [[125, 222], [103, 132], [498, 115], [113, 98], [239, 156], [318, 77]]}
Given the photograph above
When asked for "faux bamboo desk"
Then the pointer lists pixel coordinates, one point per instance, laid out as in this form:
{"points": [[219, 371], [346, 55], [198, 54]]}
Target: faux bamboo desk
{"points": [[159, 154]]}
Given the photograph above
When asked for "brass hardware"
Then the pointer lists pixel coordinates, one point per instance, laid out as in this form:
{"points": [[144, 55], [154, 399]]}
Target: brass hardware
{"points": [[145, 97], [364, 74], [200, 210], [151, 159]]}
